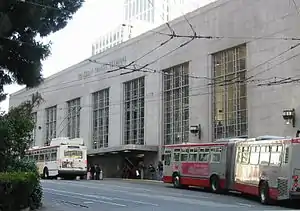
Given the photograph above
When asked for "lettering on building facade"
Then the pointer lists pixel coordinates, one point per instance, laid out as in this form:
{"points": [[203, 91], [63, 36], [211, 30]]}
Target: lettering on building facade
{"points": [[102, 67]]}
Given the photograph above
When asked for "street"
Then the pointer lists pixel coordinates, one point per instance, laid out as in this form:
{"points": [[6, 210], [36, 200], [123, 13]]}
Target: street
{"points": [[110, 195]]}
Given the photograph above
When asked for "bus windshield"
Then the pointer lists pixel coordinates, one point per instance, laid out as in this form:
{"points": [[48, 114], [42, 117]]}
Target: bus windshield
{"points": [[77, 154]]}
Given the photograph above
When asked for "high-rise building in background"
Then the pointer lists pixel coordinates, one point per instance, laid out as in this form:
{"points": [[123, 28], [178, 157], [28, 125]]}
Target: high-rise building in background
{"points": [[140, 16]]}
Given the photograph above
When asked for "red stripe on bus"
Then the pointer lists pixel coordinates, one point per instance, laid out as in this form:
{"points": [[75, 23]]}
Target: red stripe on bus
{"points": [[199, 182], [193, 181], [254, 190], [167, 179], [42, 148], [296, 140]]}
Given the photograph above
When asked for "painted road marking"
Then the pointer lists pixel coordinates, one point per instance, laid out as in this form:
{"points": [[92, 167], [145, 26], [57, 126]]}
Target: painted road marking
{"points": [[161, 197], [88, 202], [104, 198], [86, 199], [109, 188], [115, 186], [245, 205]]}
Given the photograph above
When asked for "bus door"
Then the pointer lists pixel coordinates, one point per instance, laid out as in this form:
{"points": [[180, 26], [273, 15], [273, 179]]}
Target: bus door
{"points": [[230, 154], [218, 161], [175, 160], [184, 157], [167, 170]]}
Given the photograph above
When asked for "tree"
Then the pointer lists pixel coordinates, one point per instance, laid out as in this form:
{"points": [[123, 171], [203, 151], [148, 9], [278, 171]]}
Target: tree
{"points": [[16, 131], [20, 52]]}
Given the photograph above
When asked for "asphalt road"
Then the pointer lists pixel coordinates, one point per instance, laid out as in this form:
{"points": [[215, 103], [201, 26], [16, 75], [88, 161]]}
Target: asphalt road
{"points": [[112, 195]]}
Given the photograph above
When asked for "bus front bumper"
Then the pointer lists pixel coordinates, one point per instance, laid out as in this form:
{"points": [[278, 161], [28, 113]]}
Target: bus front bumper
{"points": [[72, 172]]}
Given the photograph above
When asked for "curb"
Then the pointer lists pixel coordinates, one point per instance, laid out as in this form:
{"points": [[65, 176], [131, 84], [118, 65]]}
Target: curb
{"points": [[137, 181], [145, 181]]}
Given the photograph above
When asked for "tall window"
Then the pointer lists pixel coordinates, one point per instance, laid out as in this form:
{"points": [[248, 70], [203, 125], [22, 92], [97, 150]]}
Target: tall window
{"points": [[34, 117], [100, 118], [50, 123], [176, 104], [134, 111], [230, 93], [74, 118], [152, 14]]}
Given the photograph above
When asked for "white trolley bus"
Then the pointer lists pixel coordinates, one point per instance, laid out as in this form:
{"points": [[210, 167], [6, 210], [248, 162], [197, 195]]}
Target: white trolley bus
{"points": [[66, 158], [267, 167]]}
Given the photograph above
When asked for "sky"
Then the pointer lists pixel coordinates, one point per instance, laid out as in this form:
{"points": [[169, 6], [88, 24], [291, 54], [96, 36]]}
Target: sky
{"points": [[73, 44]]}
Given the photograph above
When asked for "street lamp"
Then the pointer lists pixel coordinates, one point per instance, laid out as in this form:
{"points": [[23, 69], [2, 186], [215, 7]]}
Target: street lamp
{"points": [[289, 116], [196, 129]]}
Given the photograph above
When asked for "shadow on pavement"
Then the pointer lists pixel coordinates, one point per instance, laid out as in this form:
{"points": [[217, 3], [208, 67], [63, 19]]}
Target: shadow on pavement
{"points": [[284, 204]]}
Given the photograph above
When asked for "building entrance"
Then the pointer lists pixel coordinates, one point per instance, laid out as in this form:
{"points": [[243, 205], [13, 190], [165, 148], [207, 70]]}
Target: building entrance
{"points": [[133, 166]]}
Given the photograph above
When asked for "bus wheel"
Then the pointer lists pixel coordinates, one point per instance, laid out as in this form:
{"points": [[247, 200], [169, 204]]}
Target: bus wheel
{"points": [[45, 173], [176, 181], [264, 193], [215, 184]]}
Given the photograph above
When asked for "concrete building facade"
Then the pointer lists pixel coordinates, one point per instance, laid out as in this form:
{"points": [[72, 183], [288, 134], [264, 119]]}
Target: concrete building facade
{"points": [[120, 34], [139, 16], [230, 84]]}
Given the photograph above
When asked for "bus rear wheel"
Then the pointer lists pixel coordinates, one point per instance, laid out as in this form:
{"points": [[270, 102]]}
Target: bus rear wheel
{"points": [[215, 184], [264, 193], [45, 173], [176, 181]]}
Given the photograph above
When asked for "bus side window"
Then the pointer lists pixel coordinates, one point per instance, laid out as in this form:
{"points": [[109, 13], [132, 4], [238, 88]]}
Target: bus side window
{"points": [[275, 158], [193, 155], [203, 155], [216, 155], [245, 155], [41, 157], [176, 155], [47, 157], [183, 157], [239, 155], [53, 156], [36, 157], [264, 158], [254, 157], [167, 159]]}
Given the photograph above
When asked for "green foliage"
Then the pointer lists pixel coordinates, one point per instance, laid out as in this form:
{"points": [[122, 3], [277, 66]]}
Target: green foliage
{"points": [[20, 186], [16, 133], [20, 54], [35, 200], [18, 177], [24, 165], [16, 189]]}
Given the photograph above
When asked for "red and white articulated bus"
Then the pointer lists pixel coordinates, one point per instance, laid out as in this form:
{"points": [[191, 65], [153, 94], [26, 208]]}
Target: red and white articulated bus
{"points": [[267, 167]]}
